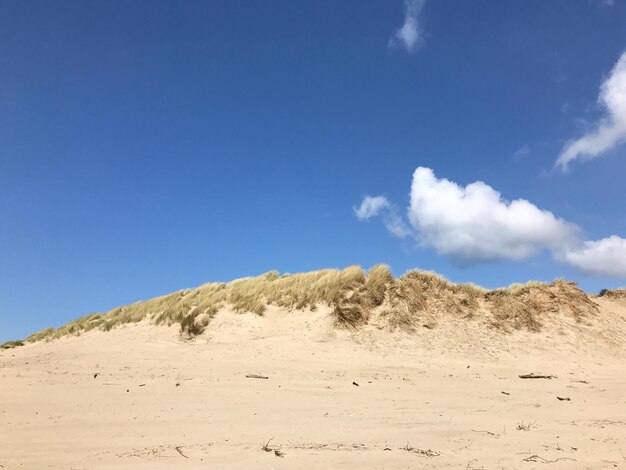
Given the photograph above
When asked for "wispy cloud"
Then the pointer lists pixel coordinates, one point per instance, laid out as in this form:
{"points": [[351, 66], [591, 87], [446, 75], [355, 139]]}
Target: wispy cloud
{"points": [[521, 152], [409, 36], [370, 207], [379, 205], [610, 130], [475, 224]]}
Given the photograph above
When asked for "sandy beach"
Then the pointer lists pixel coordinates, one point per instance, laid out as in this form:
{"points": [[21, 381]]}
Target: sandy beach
{"points": [[451, 397]]}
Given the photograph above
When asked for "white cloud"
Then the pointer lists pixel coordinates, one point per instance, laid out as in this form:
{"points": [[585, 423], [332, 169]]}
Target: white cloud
{"points": [[394, 223], [610, 131], [379, 205], [606, 257], [474, 224], [371, 206], [409, 35]]}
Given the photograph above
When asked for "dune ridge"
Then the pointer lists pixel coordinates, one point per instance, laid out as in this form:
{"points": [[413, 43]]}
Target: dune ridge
{"points": [[355, 298]]}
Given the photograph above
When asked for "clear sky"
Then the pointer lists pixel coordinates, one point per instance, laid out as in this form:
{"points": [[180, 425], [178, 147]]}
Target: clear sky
{"points": [[149, 146]]}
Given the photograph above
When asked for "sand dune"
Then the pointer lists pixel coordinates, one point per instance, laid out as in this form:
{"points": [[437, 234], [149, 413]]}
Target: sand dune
{"points": [[448, 397]]}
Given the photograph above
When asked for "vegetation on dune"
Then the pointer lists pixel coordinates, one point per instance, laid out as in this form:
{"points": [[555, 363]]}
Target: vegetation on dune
{"points": [[11, 344], [613, 294], [355, 298]]}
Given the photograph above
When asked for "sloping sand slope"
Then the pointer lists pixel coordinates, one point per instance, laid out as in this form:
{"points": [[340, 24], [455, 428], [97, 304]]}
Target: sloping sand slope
{"points": [[447, 397]]}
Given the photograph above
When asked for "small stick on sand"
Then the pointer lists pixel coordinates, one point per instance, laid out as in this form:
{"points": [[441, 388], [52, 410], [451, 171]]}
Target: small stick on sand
{"points": [[255, 376], [538, 458], [180, 451], [532, 375], [266, 447]]}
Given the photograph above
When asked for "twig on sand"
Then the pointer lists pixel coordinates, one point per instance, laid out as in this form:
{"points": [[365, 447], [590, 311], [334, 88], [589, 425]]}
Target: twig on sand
{"points": [[256, 376], [491, 433], [564, 398], [425, 453], [526, 427], [178, 449], [277, 452], [266, 447], [557, 447], [532, 375], [539, 459], [470, 465]]}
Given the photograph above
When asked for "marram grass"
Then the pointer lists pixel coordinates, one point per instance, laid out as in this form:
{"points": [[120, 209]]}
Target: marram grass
{"points": [[355, 297]]}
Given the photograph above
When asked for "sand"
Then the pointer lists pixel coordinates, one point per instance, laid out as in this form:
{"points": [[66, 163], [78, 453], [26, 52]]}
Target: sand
{"points": [[450, 397]]}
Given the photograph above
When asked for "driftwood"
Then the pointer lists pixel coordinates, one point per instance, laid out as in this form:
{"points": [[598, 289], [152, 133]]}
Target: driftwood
{"points": [[538, 458], [256, 376], [532, 375]]}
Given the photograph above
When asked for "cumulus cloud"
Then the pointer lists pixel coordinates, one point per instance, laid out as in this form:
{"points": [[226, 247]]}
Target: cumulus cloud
{"points": [[610, 130], [475, 224], [379, 205], [409, 35], [606, 257]]}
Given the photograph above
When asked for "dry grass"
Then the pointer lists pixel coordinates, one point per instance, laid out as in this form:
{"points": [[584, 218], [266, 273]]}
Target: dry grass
{"points": [[422, 296], [355, 299], [11, 344], [613, 294], [527, 306]]}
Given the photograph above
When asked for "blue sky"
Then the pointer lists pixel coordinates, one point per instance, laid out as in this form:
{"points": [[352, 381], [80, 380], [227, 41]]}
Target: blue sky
{"points": [[151, 146]]}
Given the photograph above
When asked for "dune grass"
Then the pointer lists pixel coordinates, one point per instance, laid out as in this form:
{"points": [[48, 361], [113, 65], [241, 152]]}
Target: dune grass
{"points": [[355, 298], [613, 294], [11, 344]]}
